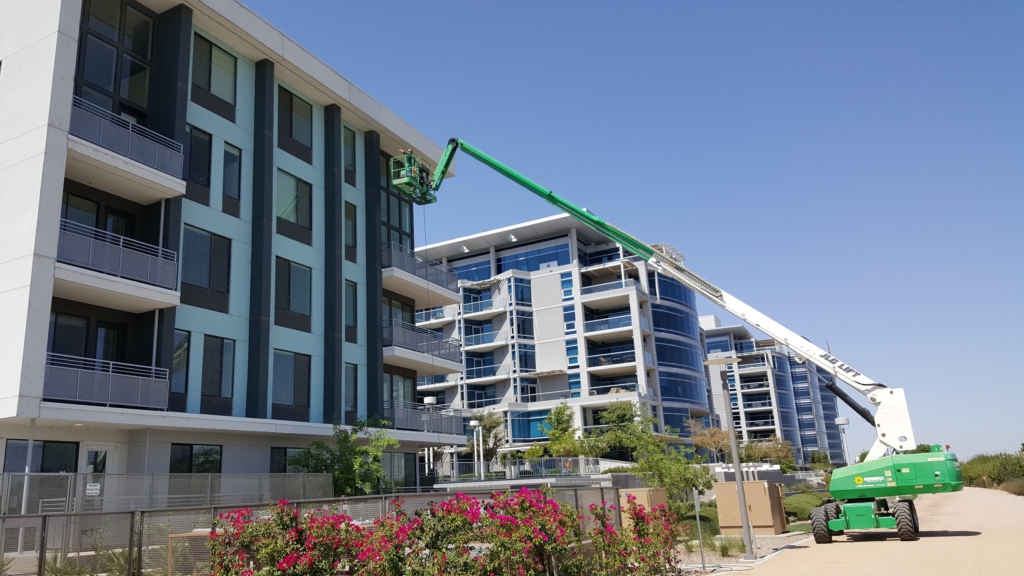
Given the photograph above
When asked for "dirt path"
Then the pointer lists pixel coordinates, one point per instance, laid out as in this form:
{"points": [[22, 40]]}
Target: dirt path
{"points": [[976, 531]]}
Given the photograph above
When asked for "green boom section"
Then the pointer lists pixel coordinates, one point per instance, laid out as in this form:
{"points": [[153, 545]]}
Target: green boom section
{"points": [[898, 475], [629, 242]]}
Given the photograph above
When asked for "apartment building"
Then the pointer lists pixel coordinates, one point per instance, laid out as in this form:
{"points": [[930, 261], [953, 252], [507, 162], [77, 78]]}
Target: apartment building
{"points": [[552, 311], [199, 246]]}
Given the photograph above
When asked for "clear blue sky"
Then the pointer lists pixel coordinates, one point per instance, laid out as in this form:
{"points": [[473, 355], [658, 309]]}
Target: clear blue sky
{"points": [[854, 170]]}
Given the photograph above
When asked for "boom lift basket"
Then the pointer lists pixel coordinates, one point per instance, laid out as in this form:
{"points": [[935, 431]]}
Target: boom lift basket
{"points": [[411, 178]]}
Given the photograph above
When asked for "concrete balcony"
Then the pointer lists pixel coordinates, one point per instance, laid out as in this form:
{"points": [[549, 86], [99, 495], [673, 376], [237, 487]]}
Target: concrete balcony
{"points": [[119, 156], [612, 294], [487, 374], [104, 383], [425, 351], [414, 276], [421, 418], [436, 316], [485, 342], [613, 363], [484, 309], [115, 272], [609, 329]]}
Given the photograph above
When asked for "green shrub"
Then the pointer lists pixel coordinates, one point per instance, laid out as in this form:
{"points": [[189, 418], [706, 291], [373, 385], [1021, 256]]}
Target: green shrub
{"points": [[997, 468], [708, 518], [728, 546], [1014, 486], [799, 505]]}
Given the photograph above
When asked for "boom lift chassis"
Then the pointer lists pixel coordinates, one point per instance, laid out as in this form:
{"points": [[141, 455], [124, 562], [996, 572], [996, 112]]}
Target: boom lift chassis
{"points": [[867, 495]]}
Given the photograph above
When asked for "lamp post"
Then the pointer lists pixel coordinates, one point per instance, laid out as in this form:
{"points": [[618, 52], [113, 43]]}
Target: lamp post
{"points": [[744, 521], [477, 452], [843, 423]]}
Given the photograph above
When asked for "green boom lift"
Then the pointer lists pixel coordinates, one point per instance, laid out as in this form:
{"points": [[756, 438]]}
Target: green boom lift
{"points": [[870, 494]]}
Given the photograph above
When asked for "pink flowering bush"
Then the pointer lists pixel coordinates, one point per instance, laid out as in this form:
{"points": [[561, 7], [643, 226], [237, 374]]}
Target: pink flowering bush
{"points": [[525, 533]]}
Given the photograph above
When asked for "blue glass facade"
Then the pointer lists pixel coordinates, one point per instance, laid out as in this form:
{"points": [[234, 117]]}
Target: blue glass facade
{"points": [[473, 271], [526, 426], [531, 260]]}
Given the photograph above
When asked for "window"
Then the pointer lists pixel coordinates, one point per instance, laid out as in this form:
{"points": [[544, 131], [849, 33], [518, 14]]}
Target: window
{"points": [[676, 387], [533, 260], [291, 386], [572, 353], [718, 344], [528, 426], [218, 366], [179, 371], [574, 385], [524, 324], [473, 272], [673, 291], [79, 210], [396, 310], [114, 63], [399, 389], [294, 208], [279, 458], [68, 334], [294, 125], [679, 353], [675, 321], [47, 457], [566, 286], [197, 165], [195, 459], [527, 358], [205, 269], [351, 312], [569, 316], [350, 393], [677, 421], [521, 291], [232, 180], [350, 232], [213, 78], [395, 212], [292, 295], [479, 396], [350, 157]]}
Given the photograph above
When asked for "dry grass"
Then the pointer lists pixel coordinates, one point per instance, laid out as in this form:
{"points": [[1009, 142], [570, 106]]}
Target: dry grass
{"points": [[1014, 486]]}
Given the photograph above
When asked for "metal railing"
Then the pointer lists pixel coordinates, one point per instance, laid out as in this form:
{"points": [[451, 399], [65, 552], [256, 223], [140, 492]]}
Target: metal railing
{"points": [[410, 337], [615, 285], [611, 358], [101, 127], [485, 338], [398, 256], [614, 389], [608, 323], [476, 372], [752, 385], [760, 404], [103, 382], [420, 417], [528, 396], [760, 423], [525, 468], [482, 306], [743, 365], [437, 313], [116, 255], [437, 379]]}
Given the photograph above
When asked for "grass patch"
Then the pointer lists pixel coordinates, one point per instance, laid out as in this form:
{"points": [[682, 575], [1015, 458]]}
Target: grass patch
{"points": [[727, 546], [804, 527], [1014, 486]]}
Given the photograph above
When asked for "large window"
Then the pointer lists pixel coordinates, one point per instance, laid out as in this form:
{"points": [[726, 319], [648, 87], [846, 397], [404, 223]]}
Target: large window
{"points": [[351, 312], [199, 151], [678, 353], [279, 458], [682, 388], [205, 269], [350, 393], [350, 157], [218, 369], [232, 180], [291, 386], [399, 389], [351, 232], [675, 321], [292, 295], [524, 324], [115, 57], [395, 211], [47, 457], [68, 334], [179, 372], [195, 459], [294, 208], [213, 78], [394, 309], [294, 125], [533, 260], [474, 271], [677, 420]]}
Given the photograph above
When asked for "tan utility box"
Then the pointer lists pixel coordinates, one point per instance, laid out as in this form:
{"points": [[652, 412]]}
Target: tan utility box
{"points": [[648, 497], [764, 507]]}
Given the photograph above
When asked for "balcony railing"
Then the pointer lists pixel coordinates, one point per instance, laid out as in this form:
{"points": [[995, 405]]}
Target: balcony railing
{"points": [[405, 335], [608, 323], [513, 469], [419, 417], [116, 255], [103, 382], [437, 379], [437, 313], [760, 404], [485, 338], [475, 372], [760, 423], [530, 396], [482, 306], [92, 123], [613, 389], [611, 358], [617, 284], [398, 256]]}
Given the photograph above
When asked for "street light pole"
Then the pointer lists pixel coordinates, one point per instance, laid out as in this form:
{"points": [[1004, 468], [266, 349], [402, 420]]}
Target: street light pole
{"points": [[477, 452], [744, 520]]}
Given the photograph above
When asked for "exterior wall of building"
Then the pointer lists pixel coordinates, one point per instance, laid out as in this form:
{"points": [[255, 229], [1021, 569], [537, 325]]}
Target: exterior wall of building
{"points": [[80, 149], [830, 411], [810, 415]]}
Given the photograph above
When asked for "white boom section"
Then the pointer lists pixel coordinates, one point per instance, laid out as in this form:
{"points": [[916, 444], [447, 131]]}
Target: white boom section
{"points": [[892, 418]]}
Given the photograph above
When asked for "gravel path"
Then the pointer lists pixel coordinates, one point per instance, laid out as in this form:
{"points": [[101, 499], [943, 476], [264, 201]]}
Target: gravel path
{"points": [[765, 545]]}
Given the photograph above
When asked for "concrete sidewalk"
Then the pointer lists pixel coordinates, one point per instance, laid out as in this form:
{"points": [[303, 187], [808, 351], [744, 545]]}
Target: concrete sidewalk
{"points": [[976, 531]]}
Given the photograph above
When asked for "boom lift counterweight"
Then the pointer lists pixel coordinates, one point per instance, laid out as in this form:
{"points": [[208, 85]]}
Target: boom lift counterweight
{"points": [[865, 487]]}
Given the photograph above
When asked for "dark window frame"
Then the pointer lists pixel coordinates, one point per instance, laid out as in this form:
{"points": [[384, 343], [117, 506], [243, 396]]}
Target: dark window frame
{"points": [[392, 211], [283, 314], [350, 398], [208, 297], [176, 401], [191, 457], [295, 230], [203, 96], [41, 446], [285, 132], [351, 232], [198, 169], [296, 411], [279, 454], [349, 163], [231, 205], [217, 404], [351, 312]]}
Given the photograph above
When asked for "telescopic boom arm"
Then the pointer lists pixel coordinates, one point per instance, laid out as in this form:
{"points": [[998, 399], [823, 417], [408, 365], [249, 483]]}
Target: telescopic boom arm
{"points": [[891, 419]]}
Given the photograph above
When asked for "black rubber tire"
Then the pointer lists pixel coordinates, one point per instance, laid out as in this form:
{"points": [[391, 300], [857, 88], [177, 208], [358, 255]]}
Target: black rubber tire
{"points": [[903, 512], [917, 522], [832, 511], [819, 526]]}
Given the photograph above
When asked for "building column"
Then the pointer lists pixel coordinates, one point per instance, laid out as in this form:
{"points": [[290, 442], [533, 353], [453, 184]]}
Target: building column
{"points": [[334, 280], [256, 396], [374, 288], [38, 54]]}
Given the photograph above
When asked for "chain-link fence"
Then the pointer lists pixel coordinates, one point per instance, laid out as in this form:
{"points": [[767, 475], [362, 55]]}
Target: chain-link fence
{"points": [[174, 541], [67, 493]]}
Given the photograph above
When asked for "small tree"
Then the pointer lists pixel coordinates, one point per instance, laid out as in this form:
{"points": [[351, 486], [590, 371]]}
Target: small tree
{"points": [[920, 449], [862, 456], [820, 461], [714, 440], [561, 432], [355, 466], [774, 451], [493, 426]]}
